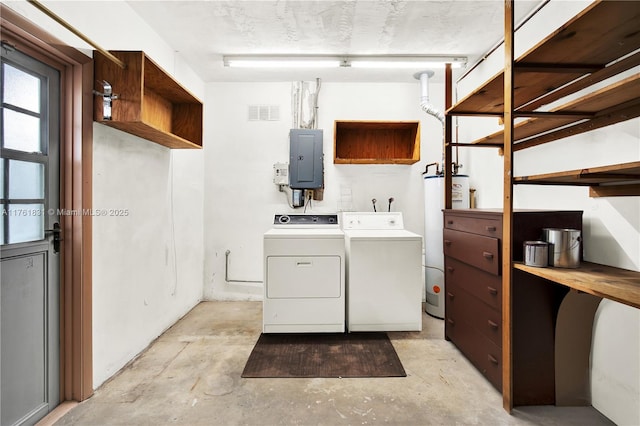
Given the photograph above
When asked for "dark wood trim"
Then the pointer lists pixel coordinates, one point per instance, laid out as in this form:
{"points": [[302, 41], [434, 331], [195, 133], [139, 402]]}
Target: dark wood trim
{"points": [[448, 138], [76, 70], [507, 218]]}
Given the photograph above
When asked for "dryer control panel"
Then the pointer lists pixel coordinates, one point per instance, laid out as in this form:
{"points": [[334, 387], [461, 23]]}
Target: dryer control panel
{"points": [[306, 220]]}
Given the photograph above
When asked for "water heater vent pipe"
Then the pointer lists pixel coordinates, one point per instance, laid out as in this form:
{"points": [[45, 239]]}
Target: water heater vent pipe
{"points": [[424, 77]]}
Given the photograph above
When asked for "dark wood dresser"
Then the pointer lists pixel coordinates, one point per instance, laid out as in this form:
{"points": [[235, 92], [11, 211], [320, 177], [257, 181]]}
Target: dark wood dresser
{"points": [[473, 286]]}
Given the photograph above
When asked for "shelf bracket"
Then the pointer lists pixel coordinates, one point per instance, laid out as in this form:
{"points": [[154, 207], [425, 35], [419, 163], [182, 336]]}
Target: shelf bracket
{"points": [[107, 98]]}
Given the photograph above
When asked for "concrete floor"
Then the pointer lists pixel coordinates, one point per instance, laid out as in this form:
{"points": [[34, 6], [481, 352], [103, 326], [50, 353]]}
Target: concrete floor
{"points": [[191, 375]]}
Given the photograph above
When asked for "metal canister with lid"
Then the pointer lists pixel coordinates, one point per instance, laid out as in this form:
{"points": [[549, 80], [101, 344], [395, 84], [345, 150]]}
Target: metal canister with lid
{"points": [[536, 253]]}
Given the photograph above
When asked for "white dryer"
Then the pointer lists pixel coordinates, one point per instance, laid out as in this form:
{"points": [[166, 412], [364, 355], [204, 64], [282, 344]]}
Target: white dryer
{"points": [[304, 275], [384, 273]]}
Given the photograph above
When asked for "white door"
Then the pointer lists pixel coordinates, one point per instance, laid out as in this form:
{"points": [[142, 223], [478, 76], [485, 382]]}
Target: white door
{"points": [[30, 262]]}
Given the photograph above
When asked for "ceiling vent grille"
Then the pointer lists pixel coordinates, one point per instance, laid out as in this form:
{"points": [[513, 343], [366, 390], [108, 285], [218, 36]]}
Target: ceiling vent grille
{"points": [[264, 113]]}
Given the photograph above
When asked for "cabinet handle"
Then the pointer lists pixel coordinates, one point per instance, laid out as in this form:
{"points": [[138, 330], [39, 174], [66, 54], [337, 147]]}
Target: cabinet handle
{"points": [[447, 242], [490, 228], [450, 269], [449, 222], [451, 295], [492, 359], [492, 290], [492, 324], [487, 255], [450, 321]]}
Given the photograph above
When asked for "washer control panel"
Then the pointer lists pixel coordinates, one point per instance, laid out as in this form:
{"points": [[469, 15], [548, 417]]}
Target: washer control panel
{"points": [[306, 220], [372, 221]]}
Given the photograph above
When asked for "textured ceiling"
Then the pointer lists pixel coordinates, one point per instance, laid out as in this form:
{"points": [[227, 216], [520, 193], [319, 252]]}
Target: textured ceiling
{"points": [[203, 31]]}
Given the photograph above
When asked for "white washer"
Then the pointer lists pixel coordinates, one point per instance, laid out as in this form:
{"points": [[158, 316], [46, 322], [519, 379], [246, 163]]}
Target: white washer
{"points": [[304, 275], [384, 273]]}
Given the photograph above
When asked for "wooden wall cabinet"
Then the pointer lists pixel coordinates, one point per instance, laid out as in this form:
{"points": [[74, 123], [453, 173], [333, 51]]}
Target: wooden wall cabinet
{"points": [[150, 103], [376, 142]]}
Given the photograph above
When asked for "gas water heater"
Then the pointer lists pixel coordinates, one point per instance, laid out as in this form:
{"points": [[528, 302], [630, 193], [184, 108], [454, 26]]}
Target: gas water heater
{"points": [[433, 254]]}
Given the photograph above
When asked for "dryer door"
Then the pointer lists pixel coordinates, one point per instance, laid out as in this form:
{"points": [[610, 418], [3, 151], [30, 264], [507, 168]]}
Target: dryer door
{"points": [[303, 277]]}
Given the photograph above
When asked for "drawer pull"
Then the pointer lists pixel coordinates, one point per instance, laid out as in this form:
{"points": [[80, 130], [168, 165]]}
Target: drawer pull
{"points": [[492, 324], [492, 359], [449, 222], [447, 242], [451, 295], [487, 255], [492, 290], [450, 321], [450, 269], [490, 228]]}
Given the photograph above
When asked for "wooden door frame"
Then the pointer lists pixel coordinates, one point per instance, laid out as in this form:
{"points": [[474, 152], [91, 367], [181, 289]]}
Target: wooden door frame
{"points": [[76, 151]]}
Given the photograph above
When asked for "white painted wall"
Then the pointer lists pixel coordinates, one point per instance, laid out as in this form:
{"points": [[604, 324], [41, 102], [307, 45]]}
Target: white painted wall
{"points": [[147, 266], [240, 197], [611, 234]]}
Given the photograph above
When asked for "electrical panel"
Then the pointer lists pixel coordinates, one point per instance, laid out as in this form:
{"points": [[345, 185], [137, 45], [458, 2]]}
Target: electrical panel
{"points": [[306, 166]]}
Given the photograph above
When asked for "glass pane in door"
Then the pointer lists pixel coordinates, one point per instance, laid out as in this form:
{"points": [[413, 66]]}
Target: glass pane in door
{"points": [[26, 180], [21, 131], [1, 177], [21, 89], [26, 222], [2, 222]]}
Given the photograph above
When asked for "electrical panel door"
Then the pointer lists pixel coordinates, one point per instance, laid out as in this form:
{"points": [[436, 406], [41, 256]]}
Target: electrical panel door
{"points": [[305, 159]]}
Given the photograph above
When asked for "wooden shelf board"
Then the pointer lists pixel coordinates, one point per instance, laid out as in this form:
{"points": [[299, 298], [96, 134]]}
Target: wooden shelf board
{"points": [[630, 190], [375, 161], [618, 173], [601, 34], [600, 103], [146, 131], [617, 284]]}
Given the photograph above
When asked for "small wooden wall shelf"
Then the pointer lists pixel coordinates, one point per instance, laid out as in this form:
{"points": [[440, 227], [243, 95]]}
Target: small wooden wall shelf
{"points": [[150, 104], [376, 142]]}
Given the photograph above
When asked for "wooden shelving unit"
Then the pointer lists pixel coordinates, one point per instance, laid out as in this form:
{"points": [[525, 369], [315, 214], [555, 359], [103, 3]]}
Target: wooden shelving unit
{"points": [[600, 42], [150, 103], [376, 142]]}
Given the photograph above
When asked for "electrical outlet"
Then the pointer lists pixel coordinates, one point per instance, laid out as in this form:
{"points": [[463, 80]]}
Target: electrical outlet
{"points": [[309, 194]]}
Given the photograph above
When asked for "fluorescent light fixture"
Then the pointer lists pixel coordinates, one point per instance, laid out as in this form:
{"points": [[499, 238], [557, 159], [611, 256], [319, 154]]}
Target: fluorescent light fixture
{"points": [[406, 61], [267, 61], [356, 61]]}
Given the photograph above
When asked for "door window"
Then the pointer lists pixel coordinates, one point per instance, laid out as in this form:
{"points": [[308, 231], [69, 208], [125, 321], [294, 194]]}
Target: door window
{"points": [[24, 163]]}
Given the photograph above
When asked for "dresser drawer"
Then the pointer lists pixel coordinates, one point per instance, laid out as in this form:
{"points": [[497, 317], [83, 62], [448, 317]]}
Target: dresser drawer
{"points": [[483, 354], [486, 287], [487, 226], [461, 305], [476, 250]]}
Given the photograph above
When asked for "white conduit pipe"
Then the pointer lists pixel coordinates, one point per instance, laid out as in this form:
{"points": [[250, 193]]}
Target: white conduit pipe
{"points": [[424, 77]]}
